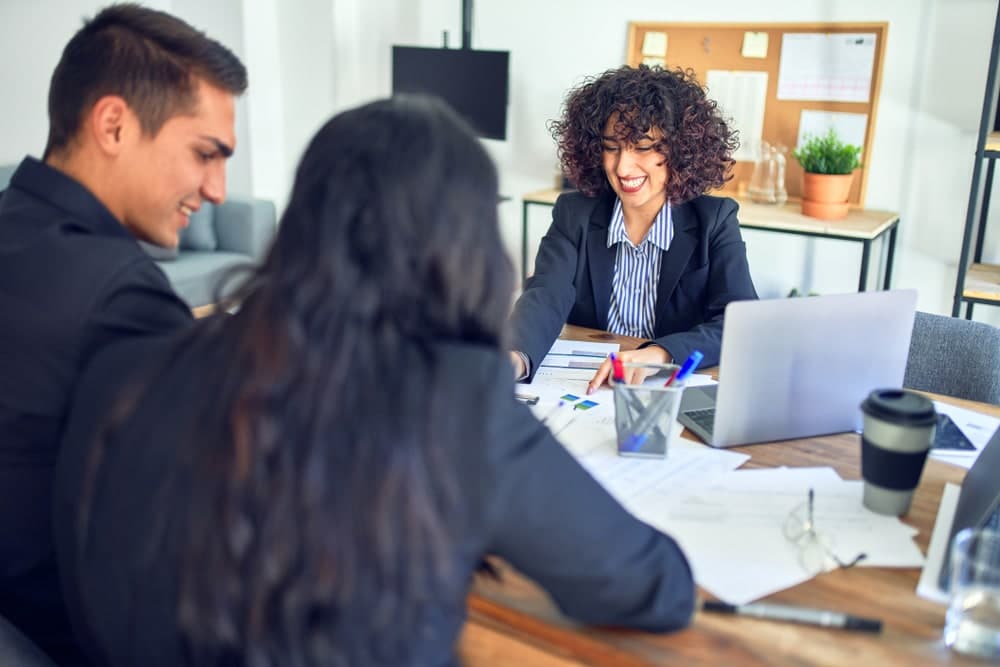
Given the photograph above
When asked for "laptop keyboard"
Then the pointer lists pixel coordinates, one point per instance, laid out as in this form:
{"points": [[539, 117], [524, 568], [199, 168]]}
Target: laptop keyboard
{"points": [[703, 418]]}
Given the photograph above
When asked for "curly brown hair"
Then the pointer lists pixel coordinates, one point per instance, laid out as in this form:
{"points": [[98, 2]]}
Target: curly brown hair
{"points": [[697, 142]]}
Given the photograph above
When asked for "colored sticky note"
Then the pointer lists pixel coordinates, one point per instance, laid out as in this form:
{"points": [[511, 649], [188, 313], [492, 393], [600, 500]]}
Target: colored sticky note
{"points": [[585, 405], [569, 397]]}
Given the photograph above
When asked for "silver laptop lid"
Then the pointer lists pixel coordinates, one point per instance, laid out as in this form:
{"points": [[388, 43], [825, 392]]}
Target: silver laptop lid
{"points": [[798, 367], [979, 502]]}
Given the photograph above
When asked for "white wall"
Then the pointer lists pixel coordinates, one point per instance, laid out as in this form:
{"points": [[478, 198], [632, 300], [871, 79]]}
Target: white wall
{"points": [[311, 58], [32, 37], [921, 161]]}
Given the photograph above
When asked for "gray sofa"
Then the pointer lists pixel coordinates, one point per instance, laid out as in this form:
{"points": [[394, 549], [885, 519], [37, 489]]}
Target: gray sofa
{"points": [[234, 233]]}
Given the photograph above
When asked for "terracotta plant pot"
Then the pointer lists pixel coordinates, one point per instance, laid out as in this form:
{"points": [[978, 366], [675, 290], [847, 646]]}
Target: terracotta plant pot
{"points": [[824, 210], [825, 195]]}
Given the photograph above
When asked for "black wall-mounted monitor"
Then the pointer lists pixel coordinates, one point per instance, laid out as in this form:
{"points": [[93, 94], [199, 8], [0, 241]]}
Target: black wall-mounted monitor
{"points": [[473, 82]]}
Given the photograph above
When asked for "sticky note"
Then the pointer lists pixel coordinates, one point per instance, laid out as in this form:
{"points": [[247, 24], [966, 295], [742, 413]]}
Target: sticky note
{"points": [[569, 397], [654, 44], [649, 61], [754, 44]]}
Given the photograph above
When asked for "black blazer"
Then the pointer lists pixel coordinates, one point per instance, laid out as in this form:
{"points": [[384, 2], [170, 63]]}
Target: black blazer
{"points": [[704, 269], [72, 280], [524, 499]]}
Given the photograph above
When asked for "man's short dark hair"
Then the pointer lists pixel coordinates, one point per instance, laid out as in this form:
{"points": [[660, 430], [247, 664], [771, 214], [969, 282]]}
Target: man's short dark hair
{"points": [[151, 59]]}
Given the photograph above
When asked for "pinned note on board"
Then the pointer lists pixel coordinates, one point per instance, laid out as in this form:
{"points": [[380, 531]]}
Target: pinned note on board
{"points": [[654, 44], [754, 44], [651, 61]]}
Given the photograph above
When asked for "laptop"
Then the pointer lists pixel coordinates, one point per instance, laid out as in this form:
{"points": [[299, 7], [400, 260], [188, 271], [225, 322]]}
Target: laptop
{"points": [[800, 367], [978, 503]]}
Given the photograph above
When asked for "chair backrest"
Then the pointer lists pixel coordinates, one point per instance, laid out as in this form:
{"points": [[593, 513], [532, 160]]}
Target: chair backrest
{"points": [[17, 649], [954, 357]]}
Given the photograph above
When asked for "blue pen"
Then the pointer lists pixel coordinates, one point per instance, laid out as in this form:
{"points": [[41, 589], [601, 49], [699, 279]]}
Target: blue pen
{"points": [[686, 369]]}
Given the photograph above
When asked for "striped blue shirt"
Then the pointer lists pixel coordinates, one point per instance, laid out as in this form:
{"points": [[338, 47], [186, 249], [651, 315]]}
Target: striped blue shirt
{"points": [[637, 273]]}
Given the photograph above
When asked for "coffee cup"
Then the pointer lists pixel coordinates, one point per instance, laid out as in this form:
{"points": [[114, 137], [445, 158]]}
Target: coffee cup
{"points": [[898, 432]]}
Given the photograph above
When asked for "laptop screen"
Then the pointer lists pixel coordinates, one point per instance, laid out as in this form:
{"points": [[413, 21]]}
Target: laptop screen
{"points": [[978, 503]]}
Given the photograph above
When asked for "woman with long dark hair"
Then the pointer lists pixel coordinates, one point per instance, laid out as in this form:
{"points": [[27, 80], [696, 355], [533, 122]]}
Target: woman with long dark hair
{"points": [[315, 479], [640, 249]]}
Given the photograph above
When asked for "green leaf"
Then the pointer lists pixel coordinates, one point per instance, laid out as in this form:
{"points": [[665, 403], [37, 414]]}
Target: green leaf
{"points": [[827, 154]]}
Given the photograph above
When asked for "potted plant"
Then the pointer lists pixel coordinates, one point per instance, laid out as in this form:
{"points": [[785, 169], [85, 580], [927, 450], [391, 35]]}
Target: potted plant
{"points": [[828, 165]]}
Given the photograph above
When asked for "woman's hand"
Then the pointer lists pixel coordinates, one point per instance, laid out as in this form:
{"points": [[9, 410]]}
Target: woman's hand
{"points": [[654, 354]]}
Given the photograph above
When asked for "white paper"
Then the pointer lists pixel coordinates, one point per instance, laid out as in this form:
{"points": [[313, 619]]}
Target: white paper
{"points": [[642, 484], [589, 435], [654, 44], [741, 97], [571, 361], [699, 380], [928, 587], [830, 67], [550, 383], [732, 529], [654, 61], [976, 426], [754, 45], [850, 127], [582, 348]]}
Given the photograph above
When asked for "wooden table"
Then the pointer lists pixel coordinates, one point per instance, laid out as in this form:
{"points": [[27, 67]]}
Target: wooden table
{"points": [[519, 612], [862, 226]]}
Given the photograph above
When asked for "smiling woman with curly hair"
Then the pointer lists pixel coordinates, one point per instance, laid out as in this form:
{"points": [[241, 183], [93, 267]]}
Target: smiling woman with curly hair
{"points": [[640, 250]]}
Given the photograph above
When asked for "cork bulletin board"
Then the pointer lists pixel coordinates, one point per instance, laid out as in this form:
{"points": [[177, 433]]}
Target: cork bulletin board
{"points": [[757, 47]]}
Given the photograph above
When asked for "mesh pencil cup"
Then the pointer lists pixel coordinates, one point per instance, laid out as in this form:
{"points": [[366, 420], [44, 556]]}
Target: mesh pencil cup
{"points": [[645, 413]]}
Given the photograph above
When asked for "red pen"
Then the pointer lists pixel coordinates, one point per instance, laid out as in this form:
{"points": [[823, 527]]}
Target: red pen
{"points": [[616, 368]]}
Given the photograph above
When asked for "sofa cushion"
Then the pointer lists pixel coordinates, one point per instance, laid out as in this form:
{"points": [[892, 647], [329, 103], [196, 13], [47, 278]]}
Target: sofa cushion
{"points": [[200, 233], [195, 274], [159, 253]]}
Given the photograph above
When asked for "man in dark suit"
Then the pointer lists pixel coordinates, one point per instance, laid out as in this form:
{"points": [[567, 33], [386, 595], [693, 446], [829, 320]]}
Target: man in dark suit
{"points": [[640, 250], [141, 111]]}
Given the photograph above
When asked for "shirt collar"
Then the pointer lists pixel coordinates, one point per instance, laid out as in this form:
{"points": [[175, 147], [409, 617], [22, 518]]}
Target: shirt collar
{"points": [[658, 235], [60, 191]]}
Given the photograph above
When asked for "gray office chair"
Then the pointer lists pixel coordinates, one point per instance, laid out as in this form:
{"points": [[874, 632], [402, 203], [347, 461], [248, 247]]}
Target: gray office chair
{"points": [[16, 649], [954, 357]]}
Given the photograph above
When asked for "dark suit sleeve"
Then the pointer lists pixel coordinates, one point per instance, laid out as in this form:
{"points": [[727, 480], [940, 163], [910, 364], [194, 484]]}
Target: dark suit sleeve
{"points": [[548, 295], [552, 521], [728, 280], [137, 301]]}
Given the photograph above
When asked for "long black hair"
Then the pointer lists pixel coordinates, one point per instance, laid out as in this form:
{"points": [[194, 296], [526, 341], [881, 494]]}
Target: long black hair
{"points": [[323, 510]]}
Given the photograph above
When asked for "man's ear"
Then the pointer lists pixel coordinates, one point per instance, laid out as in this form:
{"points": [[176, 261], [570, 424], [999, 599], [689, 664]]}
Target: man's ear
{"points": [[108, 122]]}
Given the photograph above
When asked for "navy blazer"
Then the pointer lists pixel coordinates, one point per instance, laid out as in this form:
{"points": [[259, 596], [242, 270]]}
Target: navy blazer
{"points": [[704, 269]]}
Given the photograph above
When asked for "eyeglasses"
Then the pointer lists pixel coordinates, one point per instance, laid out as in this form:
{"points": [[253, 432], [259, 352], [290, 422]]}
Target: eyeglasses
{"points": [[815, 548]]}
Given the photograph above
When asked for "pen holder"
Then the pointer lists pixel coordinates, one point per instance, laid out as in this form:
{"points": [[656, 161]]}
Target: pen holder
{"points": [[645, 413]]}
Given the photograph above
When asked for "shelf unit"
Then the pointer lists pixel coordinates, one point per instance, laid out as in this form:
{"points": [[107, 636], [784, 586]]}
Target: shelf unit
{"points": [[978, 282]]}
